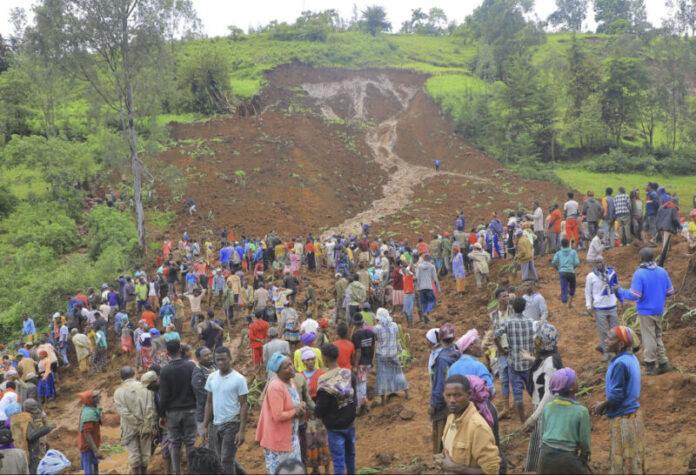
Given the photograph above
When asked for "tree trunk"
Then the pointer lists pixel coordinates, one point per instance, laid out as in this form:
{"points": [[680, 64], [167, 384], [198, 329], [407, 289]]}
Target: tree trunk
{"points": [[133, 137]]}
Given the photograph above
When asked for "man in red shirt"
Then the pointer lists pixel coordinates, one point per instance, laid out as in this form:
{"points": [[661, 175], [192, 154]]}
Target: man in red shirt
{"points": [[555, 219], [89, 435], [346, 348], [149, 316], [422, 247], [258, 332], [409, 294]]}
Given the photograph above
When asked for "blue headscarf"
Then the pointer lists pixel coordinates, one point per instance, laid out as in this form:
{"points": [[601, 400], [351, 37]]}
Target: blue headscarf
{"points": [[275, 362]]}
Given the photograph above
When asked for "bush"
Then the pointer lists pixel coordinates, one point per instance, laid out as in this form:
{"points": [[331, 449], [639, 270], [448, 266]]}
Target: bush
{"points": [[204, 76], [111, 228], [620, 161], [46, 225], [682, 162]]}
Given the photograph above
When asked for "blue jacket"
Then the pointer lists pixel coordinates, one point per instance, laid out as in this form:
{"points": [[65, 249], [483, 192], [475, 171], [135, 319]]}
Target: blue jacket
{"points": [[444, 360], [623, 385], [652, 203], [566, 260], [469, 364], [224, 255], [649, 288]]}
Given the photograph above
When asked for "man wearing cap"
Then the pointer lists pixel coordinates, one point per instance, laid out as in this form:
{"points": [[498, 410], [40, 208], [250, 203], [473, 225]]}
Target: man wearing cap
{"points": [[438, 408], [138, 419], [426, 284], [28, 328], [601, 287], [649, 289]]}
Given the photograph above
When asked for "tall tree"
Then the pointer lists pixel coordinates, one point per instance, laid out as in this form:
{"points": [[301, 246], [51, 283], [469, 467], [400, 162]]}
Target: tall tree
{"points": [[683, 19], [611, 15], [502, 25], [417, 18], [623, 85], [111, 44], [569, 14], [374, 20], [674, 68], [582, 76]]}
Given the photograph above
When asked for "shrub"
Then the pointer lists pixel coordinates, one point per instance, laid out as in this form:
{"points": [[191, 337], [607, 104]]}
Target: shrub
{"points": [[45, 225]]}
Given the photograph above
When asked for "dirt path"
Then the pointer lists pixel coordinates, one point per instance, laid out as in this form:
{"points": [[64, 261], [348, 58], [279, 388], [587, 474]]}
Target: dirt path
{"points": [[398, 191]]}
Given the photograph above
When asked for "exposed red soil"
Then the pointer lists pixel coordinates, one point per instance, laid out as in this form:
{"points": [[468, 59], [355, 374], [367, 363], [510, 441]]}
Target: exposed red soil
{"points": [[338, 178]]}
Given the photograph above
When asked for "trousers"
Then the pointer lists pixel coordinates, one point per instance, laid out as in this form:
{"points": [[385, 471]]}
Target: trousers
{"points": [[567, 285], [651, 331], [138, 448], [427, 300], [181, 428], [342, 448], [605, 320], [625, 229], [222, 441]]}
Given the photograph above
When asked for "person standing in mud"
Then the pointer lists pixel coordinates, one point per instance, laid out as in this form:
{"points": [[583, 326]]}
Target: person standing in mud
{"points": [[426, 284], [649, 289], [437, 165], [626, 429]]}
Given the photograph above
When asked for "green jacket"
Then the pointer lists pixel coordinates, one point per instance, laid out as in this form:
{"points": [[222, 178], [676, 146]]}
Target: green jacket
{"points": [[566, 260]]}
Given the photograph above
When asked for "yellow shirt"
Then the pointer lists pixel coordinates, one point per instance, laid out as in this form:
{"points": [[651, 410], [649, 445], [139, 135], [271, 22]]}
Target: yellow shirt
{"points": [[692, 228], [469, 441], [300, 366]]}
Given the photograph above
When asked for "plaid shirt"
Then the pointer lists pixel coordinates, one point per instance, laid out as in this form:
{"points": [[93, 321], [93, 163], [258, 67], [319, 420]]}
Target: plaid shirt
{"points": [[622, 204], [520, 334], [387, 340]]}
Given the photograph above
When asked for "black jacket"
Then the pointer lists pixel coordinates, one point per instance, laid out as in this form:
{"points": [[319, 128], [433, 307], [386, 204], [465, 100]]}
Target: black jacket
{"points": [[176, 392], [333, 416], [668, 218]]}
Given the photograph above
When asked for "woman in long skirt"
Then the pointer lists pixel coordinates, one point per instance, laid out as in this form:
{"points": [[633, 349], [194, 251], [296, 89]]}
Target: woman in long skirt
{"points": [[47, 387], [390, 376], [316, 436]]}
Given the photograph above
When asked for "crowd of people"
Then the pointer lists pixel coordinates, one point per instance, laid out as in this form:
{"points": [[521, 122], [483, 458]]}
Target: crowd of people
{"points": [[316, 384]]}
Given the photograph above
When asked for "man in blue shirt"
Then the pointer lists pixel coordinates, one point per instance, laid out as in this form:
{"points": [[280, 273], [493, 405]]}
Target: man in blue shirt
{"points": [[224, 255], [627, 454], [649, 288], [28, 328]]}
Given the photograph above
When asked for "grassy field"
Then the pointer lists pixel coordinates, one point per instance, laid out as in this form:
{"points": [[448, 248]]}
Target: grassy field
{"points": [[582, 180], [22, 181]]}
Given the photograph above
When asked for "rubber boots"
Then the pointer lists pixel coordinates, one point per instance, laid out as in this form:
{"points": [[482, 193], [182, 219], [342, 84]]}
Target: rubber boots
{"points": [[519, 409]]}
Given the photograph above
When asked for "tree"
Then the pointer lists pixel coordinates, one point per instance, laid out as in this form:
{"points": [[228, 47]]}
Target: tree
{"points": [[675, 66], [417, 18], [569, 14], [110, 44], [582, 76], [608, 12], [5, 53], [205, 76], [502, 25], [683, 20], [236, 33], [8, 202], [374, 20], [624, 82]]}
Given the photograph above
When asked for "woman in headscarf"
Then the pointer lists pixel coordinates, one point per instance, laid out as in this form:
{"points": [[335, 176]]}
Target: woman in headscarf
{"points": [[390, 376], [481, 396], [307, 340], [433, 337], [47, 387], [546, 362], [565, 445], [281, 412], [471, 349], [626, 428], [126, 335], [315, 436], [89, 436], [458, 270]]}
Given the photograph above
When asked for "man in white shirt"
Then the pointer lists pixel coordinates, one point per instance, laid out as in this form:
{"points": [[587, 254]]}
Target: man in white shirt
{"points": [[538, 221], [600, 300], [596, 248], [570, 213]]}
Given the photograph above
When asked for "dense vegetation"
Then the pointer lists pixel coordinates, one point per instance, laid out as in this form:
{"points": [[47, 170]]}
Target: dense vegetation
{"points": [[617, 100]]}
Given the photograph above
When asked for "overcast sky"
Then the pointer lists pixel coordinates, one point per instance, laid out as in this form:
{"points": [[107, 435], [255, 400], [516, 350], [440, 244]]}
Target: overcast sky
{"points": [[217, 15]]}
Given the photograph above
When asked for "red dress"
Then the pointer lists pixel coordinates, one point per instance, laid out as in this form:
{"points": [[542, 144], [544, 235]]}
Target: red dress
{"points": [[257, 331]]}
